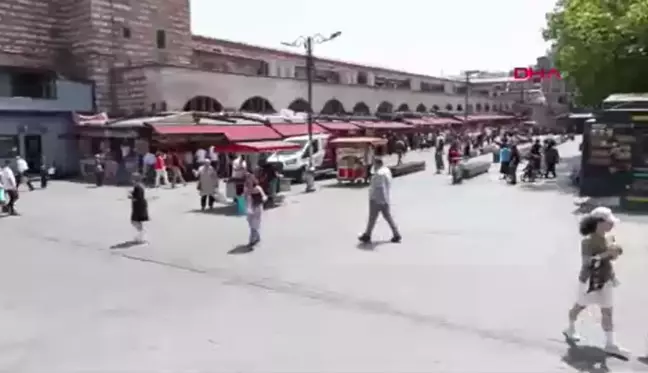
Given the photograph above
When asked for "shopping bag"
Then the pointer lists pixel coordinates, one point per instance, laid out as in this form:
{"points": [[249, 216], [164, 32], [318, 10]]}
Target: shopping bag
{"points": [[241, 205], [3, 198]]}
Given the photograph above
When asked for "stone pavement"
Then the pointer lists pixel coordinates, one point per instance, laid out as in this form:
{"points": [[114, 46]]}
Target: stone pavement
{"points": [[481, 283]]}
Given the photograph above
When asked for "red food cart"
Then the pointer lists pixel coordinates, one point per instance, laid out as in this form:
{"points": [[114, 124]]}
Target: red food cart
{"points": [[355, 156]]}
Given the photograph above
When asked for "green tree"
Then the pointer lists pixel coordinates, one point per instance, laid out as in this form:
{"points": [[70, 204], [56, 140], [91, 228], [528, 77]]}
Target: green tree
{"points": [[600, 46]]}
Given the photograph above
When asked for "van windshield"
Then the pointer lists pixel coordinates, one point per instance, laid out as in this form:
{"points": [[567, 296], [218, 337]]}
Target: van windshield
{"points": [[301, 144]]}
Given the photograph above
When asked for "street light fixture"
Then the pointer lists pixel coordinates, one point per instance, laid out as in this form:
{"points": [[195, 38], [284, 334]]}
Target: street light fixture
{"points": [[468, 74], [307, 42]]}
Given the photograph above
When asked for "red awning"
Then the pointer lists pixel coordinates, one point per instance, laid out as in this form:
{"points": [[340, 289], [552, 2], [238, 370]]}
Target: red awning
{"points": [[339, 126], [383, 125], [231, 132], [296, 129], [351, 141], [488, 117], [433, 122], [257, 147]]}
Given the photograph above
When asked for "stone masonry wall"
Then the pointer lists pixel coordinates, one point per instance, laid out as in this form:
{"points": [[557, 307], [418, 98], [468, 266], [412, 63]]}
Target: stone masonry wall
{"points": [[26, 29]]}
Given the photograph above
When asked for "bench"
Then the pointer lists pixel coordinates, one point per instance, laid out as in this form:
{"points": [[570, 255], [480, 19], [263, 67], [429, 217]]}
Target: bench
{"points": [[474, 167], [407, 168]]}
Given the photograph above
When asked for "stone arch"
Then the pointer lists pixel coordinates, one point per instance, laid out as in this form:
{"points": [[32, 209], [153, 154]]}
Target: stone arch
{"points": [[448, 107], [478, 107], [459, 107], [421, 108], [203, 103], [258, 104], [403, 107], [361, 108], [299, 105], [487, 107], [385, 107], [435, 108], [333, 106]]}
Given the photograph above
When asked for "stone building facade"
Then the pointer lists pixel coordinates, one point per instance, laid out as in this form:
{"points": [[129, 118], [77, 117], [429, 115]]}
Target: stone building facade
{"points": [[137, 52]]}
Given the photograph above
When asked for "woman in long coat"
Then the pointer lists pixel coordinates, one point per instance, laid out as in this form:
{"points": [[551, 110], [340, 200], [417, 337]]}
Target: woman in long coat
{"points": [[207, 185]]}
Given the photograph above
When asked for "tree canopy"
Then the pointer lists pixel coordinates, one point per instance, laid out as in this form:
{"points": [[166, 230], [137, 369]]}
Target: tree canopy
{"points": [[600, 46]]}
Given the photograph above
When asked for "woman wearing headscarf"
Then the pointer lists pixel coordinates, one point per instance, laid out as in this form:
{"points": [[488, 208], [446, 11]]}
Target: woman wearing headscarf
{"points": [[207, 184]]}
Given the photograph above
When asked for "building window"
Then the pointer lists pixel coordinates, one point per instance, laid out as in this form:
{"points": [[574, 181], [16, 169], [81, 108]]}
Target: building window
{"points": [[126, 32], [8, 146], [33, 85], [160, 39]]}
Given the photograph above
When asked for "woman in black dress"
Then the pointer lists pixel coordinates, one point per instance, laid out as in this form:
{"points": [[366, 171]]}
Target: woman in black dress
{"points": [[139, 207]]}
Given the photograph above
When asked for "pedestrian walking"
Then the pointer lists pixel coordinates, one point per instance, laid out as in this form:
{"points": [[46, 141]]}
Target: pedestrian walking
{"points": [[160, 167], [597, 279], [22, 167], [505, 160], [552, 157], [10, 187], [255, 198], [380, 202], [438, 156], [139, 208], [177, 170], [514, 163], [99, 170], [207, 184], [45, 173]]}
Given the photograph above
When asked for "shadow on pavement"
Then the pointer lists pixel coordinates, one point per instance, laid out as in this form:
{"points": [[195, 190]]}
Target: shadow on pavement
{"points": [[347, 185], [371, 246], [241, 249], [562, 183], [586, 359], [223, 210], [125, 245]]}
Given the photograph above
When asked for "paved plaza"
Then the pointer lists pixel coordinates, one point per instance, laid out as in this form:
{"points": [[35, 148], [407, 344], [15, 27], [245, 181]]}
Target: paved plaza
{"points": [[480, 283]]}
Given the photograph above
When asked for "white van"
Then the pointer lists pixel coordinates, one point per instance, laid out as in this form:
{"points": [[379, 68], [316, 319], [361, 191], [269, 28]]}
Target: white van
{"points": [[295, 162]]}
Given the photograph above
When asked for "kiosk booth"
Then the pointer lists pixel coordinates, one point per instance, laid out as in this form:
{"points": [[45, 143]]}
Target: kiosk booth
{"points": [[615, 157]]}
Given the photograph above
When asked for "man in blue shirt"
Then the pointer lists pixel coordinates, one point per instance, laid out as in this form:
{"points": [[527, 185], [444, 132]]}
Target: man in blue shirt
{"points": [[505, 159]]}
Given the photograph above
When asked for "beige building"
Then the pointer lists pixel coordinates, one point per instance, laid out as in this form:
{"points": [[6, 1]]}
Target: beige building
{"points": [[141, 55]]}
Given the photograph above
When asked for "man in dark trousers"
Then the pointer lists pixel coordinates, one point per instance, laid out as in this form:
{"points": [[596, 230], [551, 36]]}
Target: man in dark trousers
{"points": [[379, 202]]}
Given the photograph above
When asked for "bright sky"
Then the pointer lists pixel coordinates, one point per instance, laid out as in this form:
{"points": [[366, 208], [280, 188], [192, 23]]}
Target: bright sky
{"points": [[431, 37]]}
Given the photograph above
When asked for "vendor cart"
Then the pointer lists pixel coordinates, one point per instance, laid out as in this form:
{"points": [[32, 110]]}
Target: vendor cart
{"points": [[355, 157], [269, 174]]}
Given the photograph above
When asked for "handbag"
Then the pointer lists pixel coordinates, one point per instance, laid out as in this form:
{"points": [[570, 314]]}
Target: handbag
{"points": [[3, 198]]}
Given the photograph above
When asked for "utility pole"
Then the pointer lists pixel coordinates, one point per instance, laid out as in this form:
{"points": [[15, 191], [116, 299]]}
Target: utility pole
{"points": [[307, 42], [468, 74]]}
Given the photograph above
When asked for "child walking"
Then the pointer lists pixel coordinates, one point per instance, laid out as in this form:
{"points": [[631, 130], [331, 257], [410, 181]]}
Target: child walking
{"points": [[597, 279], [139, 208]]}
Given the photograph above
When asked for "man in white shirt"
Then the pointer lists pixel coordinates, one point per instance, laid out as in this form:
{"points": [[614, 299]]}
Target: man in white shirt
{"points": [[8, 181], [201, 155], [22, 167], [380, 202]]}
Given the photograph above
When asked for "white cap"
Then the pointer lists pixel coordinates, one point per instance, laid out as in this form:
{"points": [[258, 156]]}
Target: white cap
{"points": [[604, 213]]}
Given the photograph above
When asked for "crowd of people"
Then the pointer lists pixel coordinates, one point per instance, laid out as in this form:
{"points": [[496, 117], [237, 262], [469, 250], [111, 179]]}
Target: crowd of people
{"points": [[542, 159], [14, 174]]}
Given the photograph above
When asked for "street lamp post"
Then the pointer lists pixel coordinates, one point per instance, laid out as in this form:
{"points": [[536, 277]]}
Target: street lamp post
{"points": [[468, 74], [307, 42]]}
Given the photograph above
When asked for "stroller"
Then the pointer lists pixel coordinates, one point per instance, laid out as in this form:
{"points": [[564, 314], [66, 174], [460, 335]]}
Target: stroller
{"points": [[531, 170]]}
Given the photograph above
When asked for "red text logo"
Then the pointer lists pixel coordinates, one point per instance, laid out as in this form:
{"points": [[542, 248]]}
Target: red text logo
{"points": [[528, 73]]}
